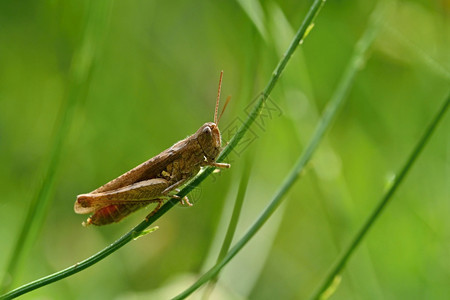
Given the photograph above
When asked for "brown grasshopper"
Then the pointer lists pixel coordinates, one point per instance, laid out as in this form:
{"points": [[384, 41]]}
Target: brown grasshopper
{"points": [[153, 180]]}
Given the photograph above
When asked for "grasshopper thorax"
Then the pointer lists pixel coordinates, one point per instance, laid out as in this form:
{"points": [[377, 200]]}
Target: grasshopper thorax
{"points": [[208, 137]]}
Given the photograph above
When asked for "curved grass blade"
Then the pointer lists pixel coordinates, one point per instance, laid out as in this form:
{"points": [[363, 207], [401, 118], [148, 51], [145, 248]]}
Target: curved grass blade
{"points": [[81, 69], [325, 122], [299, 36], [344, 257], [234, 219]]}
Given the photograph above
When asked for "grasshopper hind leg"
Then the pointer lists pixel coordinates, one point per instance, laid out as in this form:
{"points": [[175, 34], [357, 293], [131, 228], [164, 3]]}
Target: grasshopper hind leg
{"points": [[158, 206]]}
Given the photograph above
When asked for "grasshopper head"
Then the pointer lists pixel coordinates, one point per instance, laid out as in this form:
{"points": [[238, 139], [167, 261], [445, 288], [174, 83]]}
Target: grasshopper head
{"points": [[208, 136]]}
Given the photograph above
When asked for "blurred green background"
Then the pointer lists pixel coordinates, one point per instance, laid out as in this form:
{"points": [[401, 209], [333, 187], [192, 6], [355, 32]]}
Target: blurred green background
{"points": [[130, 78]]}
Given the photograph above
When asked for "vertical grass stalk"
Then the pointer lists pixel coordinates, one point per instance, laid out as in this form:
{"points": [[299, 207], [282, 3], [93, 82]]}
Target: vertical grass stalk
{"points": [[233, 221], [81, 69], [325, 122], [344, 257], [299, 36]]}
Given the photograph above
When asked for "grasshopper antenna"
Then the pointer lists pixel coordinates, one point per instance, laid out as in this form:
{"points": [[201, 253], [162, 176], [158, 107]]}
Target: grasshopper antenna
{"points": [[223, 109], [218, 97]]}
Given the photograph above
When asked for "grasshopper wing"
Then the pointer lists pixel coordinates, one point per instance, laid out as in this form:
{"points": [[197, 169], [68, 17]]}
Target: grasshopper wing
{"points": [[134, 194], [147, 170]]}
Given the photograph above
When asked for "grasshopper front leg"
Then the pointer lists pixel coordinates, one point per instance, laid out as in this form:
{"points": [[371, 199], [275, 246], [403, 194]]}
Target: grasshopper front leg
{"points": [[219, 165], [213, 163]]}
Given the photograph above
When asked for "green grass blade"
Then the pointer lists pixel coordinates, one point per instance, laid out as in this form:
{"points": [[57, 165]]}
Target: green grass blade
{"points": [[300, 35], [242, 189], [255, 12], [342, 260], [80, 76], [325, 122], [236, 210]]}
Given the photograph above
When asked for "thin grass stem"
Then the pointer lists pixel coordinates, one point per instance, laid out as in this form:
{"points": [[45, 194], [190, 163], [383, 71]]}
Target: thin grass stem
{"points": [[300, 35], [81, 69], [362, 232], [325, 122], [233, 221]]}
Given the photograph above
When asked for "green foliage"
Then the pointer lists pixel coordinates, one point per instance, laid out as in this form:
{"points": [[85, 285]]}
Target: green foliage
{"points": [[88, 90]]}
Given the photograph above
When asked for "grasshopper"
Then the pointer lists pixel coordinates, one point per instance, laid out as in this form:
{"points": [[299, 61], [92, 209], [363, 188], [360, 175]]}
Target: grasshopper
{"points": [[156, 179]]}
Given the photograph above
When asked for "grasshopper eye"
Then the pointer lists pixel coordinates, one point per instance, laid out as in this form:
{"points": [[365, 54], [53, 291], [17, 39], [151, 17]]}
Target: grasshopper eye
{"points": [[207, 130]]}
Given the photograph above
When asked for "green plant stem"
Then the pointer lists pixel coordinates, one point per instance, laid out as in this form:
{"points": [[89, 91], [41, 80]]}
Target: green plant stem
{"points": [[234, 219], [87, 262], [81, 69], [325, 122], [342, 260], [312, 13], [236, 210]]}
